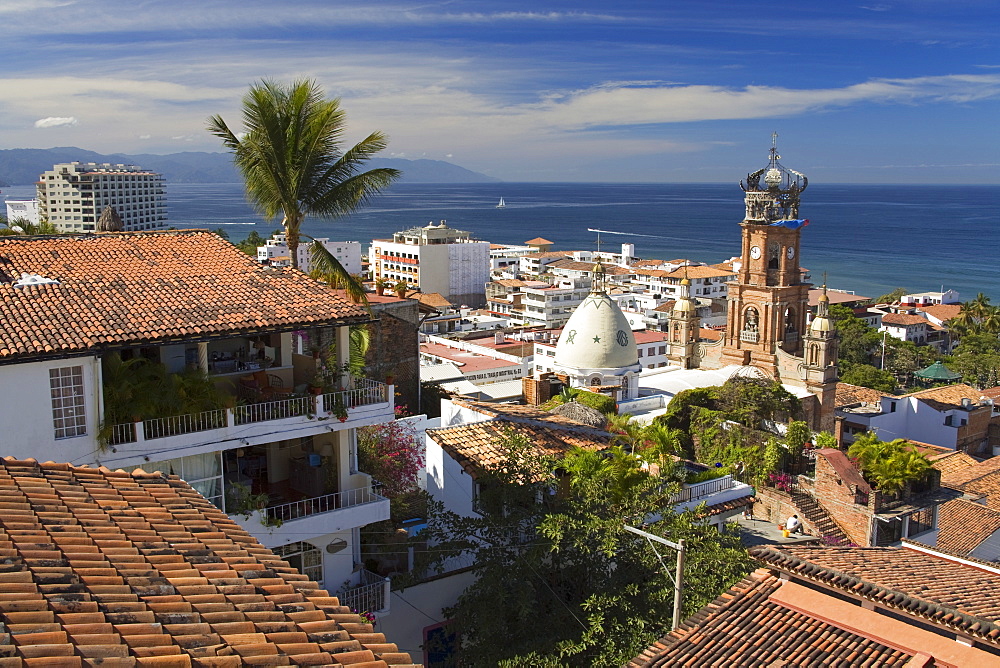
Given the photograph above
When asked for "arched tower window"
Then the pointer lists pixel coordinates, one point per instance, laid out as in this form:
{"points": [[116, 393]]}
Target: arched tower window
{"points": [[750, 331], [595, 381], [790, 327]]}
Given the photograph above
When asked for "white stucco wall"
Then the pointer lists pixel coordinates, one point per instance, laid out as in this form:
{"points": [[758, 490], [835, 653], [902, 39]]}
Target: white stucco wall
{"points": [[415, 608], [26, 412]]}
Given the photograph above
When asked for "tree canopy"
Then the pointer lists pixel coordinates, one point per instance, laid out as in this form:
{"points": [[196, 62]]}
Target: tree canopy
{"points": [[292, 159], [559, 579]]}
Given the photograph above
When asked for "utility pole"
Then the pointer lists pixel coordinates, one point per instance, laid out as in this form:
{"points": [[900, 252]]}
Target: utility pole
{"points": [[885, 333], [681, 547]]}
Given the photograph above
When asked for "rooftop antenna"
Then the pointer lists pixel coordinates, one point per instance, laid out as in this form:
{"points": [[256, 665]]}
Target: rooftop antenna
{"points": [[598, 241]]}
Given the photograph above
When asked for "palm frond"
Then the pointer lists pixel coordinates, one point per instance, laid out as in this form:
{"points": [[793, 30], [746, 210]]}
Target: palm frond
{"points": [[328, 269]]}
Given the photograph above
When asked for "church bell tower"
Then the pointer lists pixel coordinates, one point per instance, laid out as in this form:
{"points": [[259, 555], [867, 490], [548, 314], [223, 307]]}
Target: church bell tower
{"points": [[768, 301]]}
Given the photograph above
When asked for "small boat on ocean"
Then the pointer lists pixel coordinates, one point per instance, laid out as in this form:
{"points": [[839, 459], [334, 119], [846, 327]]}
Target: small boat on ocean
{"points": [[501, 204]]}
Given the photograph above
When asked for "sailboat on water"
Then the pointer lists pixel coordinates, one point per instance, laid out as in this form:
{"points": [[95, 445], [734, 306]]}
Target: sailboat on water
{"points": [[501, 204]]}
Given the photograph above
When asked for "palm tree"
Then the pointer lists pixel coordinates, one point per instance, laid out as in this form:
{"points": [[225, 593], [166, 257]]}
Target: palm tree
{"points": [[977, 307], [291, 159]]}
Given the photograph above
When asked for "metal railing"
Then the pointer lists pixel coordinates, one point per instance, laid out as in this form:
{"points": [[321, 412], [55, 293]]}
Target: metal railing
{"points": [[363, 393], [287, 512], [184, 424], [273, 410], [369, 596], [702, 489]]}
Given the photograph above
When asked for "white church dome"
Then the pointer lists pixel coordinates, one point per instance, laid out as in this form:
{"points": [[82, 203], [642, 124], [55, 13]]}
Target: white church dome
{"points": [[597, 336]]}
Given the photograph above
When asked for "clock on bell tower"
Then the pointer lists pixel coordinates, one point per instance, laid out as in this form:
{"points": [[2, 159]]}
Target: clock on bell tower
{"points": [[768, 301]]}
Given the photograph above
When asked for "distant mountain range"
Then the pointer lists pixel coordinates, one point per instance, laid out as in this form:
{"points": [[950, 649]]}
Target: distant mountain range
{"points": [[21, 166]]}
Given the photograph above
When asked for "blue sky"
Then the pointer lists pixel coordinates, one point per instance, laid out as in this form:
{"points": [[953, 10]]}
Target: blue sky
{"points": [[864, 91]]}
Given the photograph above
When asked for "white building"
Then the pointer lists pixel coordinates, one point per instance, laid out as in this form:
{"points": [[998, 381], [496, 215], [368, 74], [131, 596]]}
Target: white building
{"points": [[435, 258], [552, 305], [706, 281], [596, 349], [24, 209], [930, 298], [72, 196], [348, 253], [281, 461]]}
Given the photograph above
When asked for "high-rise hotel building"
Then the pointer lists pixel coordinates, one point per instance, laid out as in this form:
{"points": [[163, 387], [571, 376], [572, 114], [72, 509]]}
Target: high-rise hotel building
{"points": [[72, 196]]}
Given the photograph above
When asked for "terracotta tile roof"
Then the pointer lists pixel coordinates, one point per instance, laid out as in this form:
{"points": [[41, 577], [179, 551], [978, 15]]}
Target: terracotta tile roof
{"points": [[433, 299], [943, 312], [948, 397], [955, 466], [706, 334], [744, 627], [468, 361], [848, 395], [474, 446], [846, 469], [922, 584], [510, 282], [649, 336], [835, 296], [696, 271], [964, 524], [528, 415], [992, 393], [123, 569], [666, 307], [902, 319], [548, 254], [538, 241], [118, 289]]}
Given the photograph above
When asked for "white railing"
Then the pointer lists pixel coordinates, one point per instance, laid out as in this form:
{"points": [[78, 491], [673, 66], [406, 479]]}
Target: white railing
{"points": [[184, 424], [362, 393], [751, 337], [700, 490], [372, 595], [287, 512], [274, 410]]}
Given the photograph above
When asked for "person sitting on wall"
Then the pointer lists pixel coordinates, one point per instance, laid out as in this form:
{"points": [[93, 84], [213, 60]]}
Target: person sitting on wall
{"points": [[794, 524]]}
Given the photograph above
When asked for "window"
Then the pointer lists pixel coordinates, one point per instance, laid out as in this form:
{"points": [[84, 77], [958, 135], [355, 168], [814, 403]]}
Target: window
{"points": [[303, 556], [640, 352], [202, 472], [69, 415]]}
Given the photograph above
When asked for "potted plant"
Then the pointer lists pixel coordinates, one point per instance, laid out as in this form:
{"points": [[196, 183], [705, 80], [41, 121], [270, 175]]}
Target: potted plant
{"points": [[339, 410], [316, 384]]}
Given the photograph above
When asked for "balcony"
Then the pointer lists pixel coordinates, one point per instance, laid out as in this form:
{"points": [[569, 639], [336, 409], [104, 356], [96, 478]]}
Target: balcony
{"points": [[367, 402], [711, 492], [750, 336], [329, 513], [371, 595]]}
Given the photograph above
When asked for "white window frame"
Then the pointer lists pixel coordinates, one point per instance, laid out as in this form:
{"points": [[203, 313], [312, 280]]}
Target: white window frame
{"points": [[69, 403]]}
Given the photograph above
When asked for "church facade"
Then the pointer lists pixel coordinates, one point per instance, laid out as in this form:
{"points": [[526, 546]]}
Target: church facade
{"points": [[766, 335]]}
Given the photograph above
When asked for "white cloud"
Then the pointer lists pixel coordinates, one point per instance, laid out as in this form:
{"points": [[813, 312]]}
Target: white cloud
{"points": [[145, 136], [55, 121]]}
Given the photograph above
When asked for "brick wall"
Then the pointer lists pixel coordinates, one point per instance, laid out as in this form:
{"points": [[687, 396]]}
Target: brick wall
{"points": [[838, 499], [394, 349]]}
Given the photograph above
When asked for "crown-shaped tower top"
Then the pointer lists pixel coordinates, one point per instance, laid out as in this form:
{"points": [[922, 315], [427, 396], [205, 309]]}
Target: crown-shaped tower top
{"points": [[773, 191]]}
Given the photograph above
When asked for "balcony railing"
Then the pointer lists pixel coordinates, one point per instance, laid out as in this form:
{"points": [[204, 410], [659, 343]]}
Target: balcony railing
{"points": [[287, 512], [750, 337], [372, 595], [274, 410], [365, 392], [701, 490]]}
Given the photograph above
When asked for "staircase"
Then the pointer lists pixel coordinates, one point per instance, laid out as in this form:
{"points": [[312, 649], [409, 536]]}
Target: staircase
{"points": [[817, 517]]}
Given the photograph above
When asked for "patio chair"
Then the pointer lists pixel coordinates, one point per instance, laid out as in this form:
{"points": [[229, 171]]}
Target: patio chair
{"points": [[263, 386]]}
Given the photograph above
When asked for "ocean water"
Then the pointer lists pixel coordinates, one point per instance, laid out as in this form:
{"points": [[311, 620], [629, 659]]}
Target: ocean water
{"points": [[868, 239]]}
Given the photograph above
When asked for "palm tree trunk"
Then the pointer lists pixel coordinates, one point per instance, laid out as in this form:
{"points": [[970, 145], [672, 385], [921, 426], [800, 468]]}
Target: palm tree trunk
{"points": [[292, 223]]}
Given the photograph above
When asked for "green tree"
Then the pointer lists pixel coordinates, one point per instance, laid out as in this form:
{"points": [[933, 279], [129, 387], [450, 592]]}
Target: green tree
{"points": [[865, 375], [892, 297], [857, 340], [292, 160], [796, 437], [888, 465], [250, 244], [560, 580], [977, 358], [221, 232]]}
